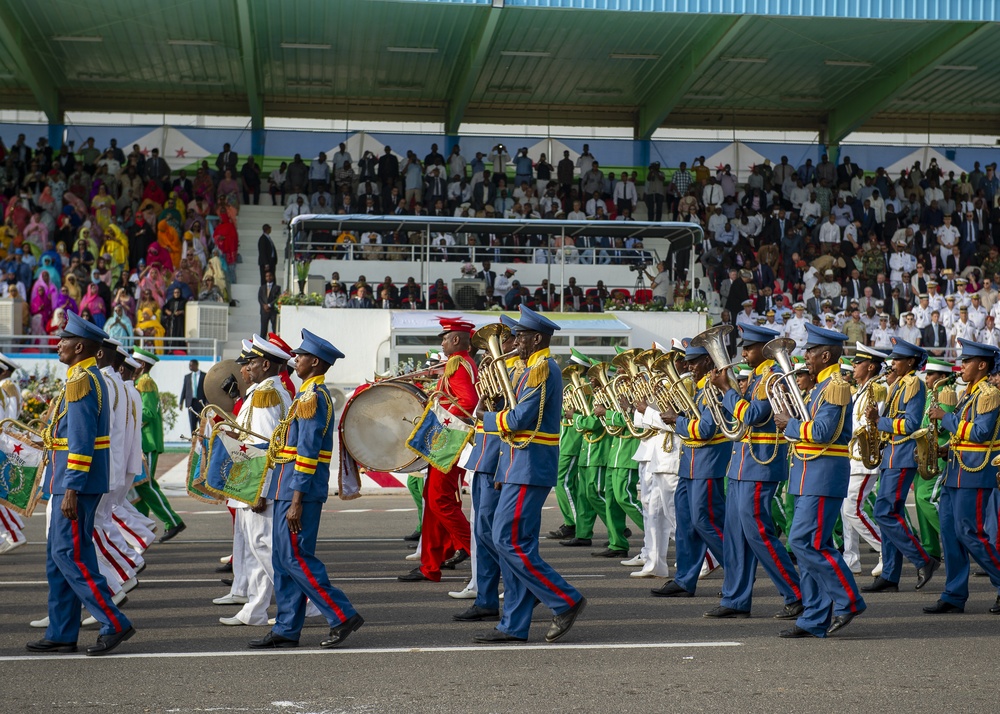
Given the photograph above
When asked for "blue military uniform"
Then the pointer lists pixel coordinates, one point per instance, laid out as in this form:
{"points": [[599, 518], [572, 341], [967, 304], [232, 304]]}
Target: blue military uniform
{"points": [[527, 471], [902, 415], [306, 453], [819, 476], [699, 501], [759, 463], [971, 482], [80, 461]]}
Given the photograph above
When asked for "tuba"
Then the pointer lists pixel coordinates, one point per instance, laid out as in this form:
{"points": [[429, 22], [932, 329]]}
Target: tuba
{"points": [[494, 380], [783, 393], [673, 390], [603, 393], [868, 442], [712, 340]]}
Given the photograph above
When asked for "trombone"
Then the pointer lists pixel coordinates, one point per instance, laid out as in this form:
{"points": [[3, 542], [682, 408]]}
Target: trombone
{"points": [[494, 380], [781, 390], [712, 340]]}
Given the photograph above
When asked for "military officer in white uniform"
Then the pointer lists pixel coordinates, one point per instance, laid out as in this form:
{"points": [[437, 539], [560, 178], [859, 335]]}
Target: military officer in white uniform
{"points": [[795, 328]]}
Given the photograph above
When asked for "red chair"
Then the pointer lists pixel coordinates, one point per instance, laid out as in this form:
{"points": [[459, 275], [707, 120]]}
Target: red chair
{"points": [[590, 292], [622, 292], [643, 296]]}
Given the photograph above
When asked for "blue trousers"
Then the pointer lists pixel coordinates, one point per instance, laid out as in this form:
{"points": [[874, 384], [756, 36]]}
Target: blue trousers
{"points": [[299, 574], [967, 516], [73, 574], [751, 537], [700, 512], [484, 500], [898, 540], [826, 581], [526, 576]]}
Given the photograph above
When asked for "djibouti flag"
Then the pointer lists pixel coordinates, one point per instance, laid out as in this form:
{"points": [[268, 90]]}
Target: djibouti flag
{"points": [[240, 468], [20, 473], [439, 436]]}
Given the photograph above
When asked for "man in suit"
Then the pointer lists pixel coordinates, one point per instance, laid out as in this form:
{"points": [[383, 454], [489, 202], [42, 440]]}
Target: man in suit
{"points": [[487, 275], [193, 398], [846, 171], [935, 338], [267, 253], [227, 160], [881, 289], [763, 276], [855, 285], [484, 193], [267, 297]]}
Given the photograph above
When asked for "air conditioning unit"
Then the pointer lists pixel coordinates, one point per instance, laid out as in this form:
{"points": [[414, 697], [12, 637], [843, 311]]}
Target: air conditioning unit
{"points": [[468, 293], [10, 316], [207, 320]]}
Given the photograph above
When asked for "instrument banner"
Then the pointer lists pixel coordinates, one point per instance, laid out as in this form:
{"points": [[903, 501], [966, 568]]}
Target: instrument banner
{"points": [[197, 459], [439, 437], [242, 468], [21, 473]]}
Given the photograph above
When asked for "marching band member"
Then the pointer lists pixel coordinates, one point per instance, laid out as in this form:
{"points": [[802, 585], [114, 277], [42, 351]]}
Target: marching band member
{"points": [[570, 443], [758, 464], [927, 490], [658, 514], [592, 473], [526, 473], [868, 364], [265, 405], [699, 501], [971, 479], [900, 418], [445, 525], [820, 446], [643, 458], [11, 525], [622, 482], [299, 488], [77, 477], [483, 463]]}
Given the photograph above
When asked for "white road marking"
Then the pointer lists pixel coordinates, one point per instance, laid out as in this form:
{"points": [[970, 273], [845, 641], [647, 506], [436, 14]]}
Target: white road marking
{"points": [[515, 648], [148, 581]]}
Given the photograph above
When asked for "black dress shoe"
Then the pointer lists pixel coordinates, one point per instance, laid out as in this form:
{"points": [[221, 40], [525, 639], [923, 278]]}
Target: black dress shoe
{"points": [[791, 611], [627, 533], [995, 609], [979, 573], [172, 532], [610, 553], [339, 633], [561, 624], [725, 613], [577, 542], [272, 641], [562, 532], [414, 576], [460, 556], [841, 621], [143, 567], [495, 636], [413, 537], [50, 646], [943, 608], [925, 573], [881, 585], [795, 631], [227, 581], [671, 589], [106, 643], [227, 568], [476, 614]]}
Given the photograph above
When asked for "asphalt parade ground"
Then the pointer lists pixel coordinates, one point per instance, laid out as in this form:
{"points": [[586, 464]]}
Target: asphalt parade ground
{"points": [[628, 652]]}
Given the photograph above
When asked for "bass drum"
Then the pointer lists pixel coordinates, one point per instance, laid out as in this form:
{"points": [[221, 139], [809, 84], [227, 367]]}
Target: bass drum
{"points": [[377, 422]]}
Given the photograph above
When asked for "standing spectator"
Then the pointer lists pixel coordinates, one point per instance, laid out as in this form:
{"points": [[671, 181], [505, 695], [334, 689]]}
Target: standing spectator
{"points": [[625, 196], [157, 169], [319, 173], [276, 184], [173, 313], [388, 171], [267, 298], [267, 253], [413, 180], [250, 178], [654, 192], [193, 398], [227, 160], [341, 156]]}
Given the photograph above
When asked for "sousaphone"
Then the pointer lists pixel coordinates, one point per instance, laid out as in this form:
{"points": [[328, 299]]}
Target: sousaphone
{"points": [[224, 385]]}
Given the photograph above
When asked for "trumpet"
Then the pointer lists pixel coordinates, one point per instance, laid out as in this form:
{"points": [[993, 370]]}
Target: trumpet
{"points": [[712, 340], [783, 393], [575, 389], [602, 385], [673, 390], [494, 380]]}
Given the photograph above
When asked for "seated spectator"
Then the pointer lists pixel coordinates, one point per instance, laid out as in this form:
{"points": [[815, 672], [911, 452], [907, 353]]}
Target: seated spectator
{"points": [[362, 299], [119, 326], [94, 304], [151, 329], [335, 297], [173, 313], [439, 297], [210, 291]]}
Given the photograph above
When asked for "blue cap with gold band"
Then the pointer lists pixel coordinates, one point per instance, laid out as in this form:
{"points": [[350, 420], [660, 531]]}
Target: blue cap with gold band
{"points": [[821, 337], [318, 347], [692, 352], [531, 321], [901, 349], [978, 350], [753, 334], [508, 321], [76, 326]]}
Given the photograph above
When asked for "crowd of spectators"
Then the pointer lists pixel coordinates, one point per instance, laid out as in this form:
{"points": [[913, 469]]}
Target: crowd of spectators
{"points": [[118, 239]]}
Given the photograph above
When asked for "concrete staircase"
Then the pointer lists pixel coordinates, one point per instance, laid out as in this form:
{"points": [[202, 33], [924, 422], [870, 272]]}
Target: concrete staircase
{"points": [[245, 319]]}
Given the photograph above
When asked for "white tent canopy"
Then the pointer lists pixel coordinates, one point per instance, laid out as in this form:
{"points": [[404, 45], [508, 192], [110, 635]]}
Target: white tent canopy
{"points": [[924, 155], [740, 157], [553, 150]]}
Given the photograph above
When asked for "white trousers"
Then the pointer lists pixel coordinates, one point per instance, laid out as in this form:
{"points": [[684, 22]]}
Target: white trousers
{"points": [[255, 562], [109, 555], [856, 521], [660, 522], [240, 584], [136, 528], [119, 497], [644, 477]]}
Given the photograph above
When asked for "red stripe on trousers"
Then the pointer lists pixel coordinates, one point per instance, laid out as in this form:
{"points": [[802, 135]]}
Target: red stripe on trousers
{"points": [[95, 591], [980, 530], [107, 556], [860, 511], [131, 563], [902, 521], [6, 525], [711, 512], [312, 579], [124, 527], [767, 540], [829, 558], [524, 558]]}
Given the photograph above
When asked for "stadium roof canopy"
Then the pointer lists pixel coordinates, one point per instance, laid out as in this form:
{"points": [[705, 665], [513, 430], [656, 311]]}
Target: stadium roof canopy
{"points": [[831, 66]]}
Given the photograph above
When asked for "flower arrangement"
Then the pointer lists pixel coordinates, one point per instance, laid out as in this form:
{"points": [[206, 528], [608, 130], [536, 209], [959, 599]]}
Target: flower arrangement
{"points": [[469, 270], [38, 390], [287, 298]]}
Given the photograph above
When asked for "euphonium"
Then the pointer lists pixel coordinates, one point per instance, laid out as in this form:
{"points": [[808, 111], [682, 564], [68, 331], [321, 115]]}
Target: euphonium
{"points": [[644, 378], [602, 385], [672, 389], [577, 394], [713, 340], [626, 384], [494, 380], [781, 389], [868, 442]]}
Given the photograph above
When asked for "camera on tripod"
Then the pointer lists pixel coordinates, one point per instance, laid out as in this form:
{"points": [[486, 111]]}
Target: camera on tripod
{"points": [[637, 267]]}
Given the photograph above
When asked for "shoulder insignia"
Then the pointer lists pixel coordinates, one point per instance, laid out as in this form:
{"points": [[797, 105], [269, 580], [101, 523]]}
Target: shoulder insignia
{"points": [[265, 396], [452, 366], [10, 389], [837, 392], [988, 399], [145, 384], [517, 371], [879, 392], [306, 404], [539, 373], [948, 397], [78, 386], [910, 387], [760, 392]]}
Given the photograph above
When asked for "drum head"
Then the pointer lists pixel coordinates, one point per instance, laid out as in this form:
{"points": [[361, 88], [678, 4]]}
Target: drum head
{"points": [[378, 421]]}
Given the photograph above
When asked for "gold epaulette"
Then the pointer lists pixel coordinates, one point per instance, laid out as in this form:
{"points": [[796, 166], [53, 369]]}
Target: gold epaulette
{"points": [[145, 384], [78, 386], [518, 370], [910, 386], [879, 392], [306, 404], [452, 366], [265, 396], [760, 393], [10, 389], [948, 397], [837, 392], [539, 373], [988, 399]]}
